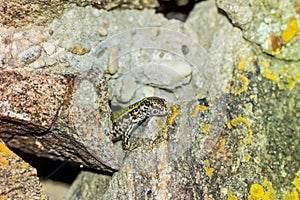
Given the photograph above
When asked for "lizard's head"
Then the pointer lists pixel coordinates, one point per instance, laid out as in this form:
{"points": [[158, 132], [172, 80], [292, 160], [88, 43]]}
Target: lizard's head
{"points": [[155, 106]]}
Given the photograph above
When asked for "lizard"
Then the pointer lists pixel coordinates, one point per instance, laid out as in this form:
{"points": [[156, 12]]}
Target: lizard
{"points": [[124, 121]]}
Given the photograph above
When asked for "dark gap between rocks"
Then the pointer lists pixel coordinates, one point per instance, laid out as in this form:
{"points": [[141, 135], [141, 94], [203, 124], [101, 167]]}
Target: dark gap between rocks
{"points": [[176, 9]]}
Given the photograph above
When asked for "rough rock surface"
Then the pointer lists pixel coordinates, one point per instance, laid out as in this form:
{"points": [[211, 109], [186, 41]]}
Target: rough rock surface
{"points": [[18, 179], [232, 130], [42, 115], [29, 101], [93, 184], [41, 12], [273, 25], [229, 148]]}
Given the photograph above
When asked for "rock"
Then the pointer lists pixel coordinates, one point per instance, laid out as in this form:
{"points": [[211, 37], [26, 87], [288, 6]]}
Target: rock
{"points": [[1, 59], [126, 88], [18, 179], [30, 55], [108, 5], [166, 74], [49, 47], [274, 30], [97, 184], [29, 101], [101, 30], [38, 12], [113, 60], [78, 48]]}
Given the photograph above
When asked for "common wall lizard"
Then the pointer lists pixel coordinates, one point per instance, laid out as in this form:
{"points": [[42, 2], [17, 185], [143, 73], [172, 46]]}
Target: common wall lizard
{"points": [[127, 119]]}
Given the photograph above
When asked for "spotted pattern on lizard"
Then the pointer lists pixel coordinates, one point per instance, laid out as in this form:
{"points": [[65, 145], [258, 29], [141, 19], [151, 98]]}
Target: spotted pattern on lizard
{"points": [[127, 119]]}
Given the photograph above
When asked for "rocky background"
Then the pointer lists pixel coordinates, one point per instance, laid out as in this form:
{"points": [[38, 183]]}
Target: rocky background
{"points": [[229, 70]]}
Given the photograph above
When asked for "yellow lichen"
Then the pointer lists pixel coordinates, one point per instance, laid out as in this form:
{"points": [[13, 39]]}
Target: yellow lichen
{"points": [[197, 109], [269, 194], [209, 171], [291, 196], [5, 150], [291, 30], [25, 164], [271, 75], [284, 70], [206, 163], [266, 64], [229, 125], [234, 122], [245, 83], [242, 64], [257, 191], [172, 117], [3, 161], [298, 78], [291, 83], [231, 196], [249, 136], [205, 127], [296, 181], [247, 157], [244, 120]]}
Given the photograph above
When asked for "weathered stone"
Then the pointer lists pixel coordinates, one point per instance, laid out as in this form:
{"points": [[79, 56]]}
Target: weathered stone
{"points": [[94, 184], [18, 180], [29, 101], [20, 13], [224, 147], [126, 88], [167, 74], [78, 48], [30, 55], [274, 29], [49, 47], [113, 61], [69, 126]]}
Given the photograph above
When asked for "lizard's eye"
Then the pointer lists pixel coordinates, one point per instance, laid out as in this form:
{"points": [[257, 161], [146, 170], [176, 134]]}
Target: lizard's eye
{"points": [[155, 112]]}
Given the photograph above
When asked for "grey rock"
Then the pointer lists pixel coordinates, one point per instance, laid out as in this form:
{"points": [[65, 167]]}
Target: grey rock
{"points": [[166, 74], [272, 25], [30, 55]]}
